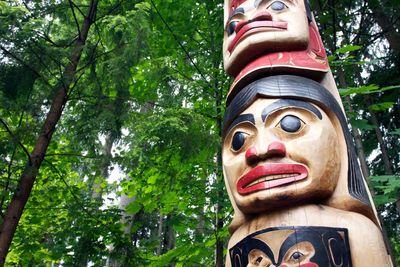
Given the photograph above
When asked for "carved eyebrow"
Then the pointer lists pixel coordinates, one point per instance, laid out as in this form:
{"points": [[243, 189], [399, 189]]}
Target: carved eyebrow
{"points": [[283, 103], [239, 10], [241, 118]]}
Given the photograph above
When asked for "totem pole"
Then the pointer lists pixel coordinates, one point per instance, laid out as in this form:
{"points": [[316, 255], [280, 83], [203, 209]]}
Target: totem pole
{"points": [[290, 167]]}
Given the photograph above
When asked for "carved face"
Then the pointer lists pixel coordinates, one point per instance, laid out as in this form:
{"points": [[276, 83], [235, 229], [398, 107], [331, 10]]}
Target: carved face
{"points": [[298, 247], [256, 27], [280, 151]]}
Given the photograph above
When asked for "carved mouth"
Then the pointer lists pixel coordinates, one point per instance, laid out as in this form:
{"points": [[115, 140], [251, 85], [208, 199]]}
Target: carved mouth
{"points": [[256, 26], [269, 176]]}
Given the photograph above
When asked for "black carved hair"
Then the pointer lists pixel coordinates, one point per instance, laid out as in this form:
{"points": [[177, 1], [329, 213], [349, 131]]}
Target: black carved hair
{"points": [[295, 87], [308, 10]]}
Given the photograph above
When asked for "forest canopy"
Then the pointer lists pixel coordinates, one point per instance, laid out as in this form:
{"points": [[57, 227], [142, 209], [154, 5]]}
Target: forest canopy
{"points": [[110, 126]]}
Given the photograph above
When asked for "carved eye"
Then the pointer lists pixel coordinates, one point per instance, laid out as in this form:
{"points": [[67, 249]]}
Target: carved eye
{"points": [[277, 6], [238, 140], [291, 124], [296, 256], [231, 27]]}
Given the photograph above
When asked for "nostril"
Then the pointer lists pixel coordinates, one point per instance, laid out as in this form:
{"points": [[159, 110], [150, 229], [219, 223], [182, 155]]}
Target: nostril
{"points": [[276, 149], [251, 155]]}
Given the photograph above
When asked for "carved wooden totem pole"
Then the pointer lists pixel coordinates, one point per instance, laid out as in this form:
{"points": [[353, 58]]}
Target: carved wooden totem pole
{"points": [[289, 163]]}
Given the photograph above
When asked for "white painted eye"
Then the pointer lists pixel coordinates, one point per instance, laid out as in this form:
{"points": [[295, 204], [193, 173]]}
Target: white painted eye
{"points": [[277, 6]]}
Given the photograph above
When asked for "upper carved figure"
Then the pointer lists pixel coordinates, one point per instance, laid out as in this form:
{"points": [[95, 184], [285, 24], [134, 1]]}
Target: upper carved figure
{"points": [[274, 33]]}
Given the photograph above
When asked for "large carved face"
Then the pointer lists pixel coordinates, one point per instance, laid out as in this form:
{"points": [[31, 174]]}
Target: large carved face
{"points": [[256, 27], [278, 152]]}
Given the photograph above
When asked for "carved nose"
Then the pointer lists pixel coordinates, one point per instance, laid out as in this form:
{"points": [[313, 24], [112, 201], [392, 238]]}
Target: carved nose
{"points": [[274, 149], [262, 15]]}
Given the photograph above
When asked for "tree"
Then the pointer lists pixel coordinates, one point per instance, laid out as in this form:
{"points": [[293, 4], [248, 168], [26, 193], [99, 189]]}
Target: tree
{"points": [[35, 159]]}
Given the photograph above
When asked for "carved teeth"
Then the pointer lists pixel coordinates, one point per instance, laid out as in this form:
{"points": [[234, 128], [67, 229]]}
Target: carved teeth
{"points": [[272, 177]]}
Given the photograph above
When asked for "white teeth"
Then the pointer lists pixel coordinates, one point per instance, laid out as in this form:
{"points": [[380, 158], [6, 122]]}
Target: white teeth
{"points": [[272, 177]]}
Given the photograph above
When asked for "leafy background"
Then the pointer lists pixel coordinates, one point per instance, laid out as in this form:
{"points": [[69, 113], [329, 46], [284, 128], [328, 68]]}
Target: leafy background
{"points": [[132, 175]]}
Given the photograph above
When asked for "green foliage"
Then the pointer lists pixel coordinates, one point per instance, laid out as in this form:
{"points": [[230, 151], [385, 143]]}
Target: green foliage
{"points": [[388, 187], [148, 100], [367, 89]]}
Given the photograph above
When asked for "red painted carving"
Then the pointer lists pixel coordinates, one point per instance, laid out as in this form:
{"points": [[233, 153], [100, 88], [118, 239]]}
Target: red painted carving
{"points": [[279, 174], [313, 58]]}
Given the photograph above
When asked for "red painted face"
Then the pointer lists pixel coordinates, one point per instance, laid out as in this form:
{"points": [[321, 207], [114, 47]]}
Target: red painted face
{"points": [[287, 153]]}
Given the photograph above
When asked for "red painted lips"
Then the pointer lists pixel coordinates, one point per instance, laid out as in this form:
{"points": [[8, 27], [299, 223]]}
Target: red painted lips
{"points": [[253, 27], [269, 176]]}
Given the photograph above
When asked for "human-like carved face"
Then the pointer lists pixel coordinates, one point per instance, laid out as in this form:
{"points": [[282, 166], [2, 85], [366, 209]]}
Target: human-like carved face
{"points": [[257, 27], [278, 152]]}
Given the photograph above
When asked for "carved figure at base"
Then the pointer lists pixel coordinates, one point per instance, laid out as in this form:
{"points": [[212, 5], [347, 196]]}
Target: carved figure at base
{"points": [[308, 236]]}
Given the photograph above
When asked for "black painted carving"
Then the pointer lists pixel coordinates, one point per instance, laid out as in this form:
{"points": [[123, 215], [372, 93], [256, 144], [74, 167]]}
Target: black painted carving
{"points": [[327, 247], [241, 118], [289, 103], [238, 140], [290, 124], [300, 88]]}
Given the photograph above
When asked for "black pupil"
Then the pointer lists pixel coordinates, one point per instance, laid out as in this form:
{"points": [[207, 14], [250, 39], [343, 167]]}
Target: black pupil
{"points": [[278, 5], [290, 124], [238, 141], [259, 259], [296, 255], [232, 26]]}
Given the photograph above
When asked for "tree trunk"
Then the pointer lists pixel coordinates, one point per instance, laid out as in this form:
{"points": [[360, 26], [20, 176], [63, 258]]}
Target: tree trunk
{"points": [[388, 28], [24, 187], [378, 133], [160, 233]]}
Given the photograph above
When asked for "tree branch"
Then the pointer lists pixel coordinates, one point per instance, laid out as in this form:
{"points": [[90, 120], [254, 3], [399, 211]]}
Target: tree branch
{"points": [[73, 13], [16, 140]]}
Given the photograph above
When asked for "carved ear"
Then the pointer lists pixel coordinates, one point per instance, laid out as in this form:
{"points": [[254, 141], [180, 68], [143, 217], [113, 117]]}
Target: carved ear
{"points": [[338, 249]]}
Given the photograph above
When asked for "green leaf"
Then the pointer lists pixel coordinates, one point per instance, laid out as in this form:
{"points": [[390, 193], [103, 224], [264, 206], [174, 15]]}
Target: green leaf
{"points": [[152, 179], [332, 58], [381, 106], [395, 132], [381, 178], [362, 124], [367, 89], [358, 90], [348, 48], [133, 207]]}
